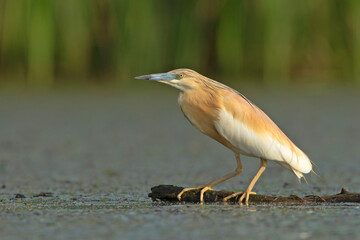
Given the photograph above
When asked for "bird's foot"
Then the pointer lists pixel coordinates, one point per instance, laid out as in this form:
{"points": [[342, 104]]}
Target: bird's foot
{"points": [[244, 195], [203, 190], [206, 188], [186, 190]]}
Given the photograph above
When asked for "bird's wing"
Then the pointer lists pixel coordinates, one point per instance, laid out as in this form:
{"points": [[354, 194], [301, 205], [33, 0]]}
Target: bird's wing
{"points": [[253, 133]]}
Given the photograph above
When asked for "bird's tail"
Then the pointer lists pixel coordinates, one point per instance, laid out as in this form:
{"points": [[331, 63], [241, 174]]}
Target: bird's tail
{"points": [[298, 174]]}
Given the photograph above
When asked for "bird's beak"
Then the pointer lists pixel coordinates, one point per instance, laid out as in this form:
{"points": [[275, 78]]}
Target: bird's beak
{"points": [[158, 77]]}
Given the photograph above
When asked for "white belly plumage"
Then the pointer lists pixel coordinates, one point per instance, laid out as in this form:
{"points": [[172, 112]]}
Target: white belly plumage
{"points": [[250, 143]]}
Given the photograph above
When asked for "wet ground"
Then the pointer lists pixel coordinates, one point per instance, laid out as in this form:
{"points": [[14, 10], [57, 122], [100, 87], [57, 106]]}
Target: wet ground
{"points": [[100, 153]]}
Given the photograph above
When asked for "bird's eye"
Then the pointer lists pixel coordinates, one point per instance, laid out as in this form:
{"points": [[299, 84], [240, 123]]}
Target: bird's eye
{"points": [[180, 75]]}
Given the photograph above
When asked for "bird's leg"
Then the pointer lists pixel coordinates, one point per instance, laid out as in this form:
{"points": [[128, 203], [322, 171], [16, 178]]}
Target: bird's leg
{"points": [[238, 170], [247, 192]]}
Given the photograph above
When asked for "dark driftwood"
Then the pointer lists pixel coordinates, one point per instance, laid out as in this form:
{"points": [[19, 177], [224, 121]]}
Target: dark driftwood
{"points": [[168, 193]]}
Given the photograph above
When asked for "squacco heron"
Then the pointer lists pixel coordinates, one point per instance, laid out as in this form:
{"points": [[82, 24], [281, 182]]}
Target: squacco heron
{"points": [[230, 118]]}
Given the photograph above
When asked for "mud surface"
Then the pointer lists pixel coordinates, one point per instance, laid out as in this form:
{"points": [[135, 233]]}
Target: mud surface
{"points": [[81, 165]]}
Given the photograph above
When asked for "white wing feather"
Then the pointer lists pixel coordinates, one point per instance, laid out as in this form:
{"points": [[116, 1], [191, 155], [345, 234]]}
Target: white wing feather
{"points": [[249, 143]]}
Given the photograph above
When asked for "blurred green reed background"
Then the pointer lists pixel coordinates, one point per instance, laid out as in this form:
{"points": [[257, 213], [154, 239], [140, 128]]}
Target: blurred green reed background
{"points": [[270, 42]]}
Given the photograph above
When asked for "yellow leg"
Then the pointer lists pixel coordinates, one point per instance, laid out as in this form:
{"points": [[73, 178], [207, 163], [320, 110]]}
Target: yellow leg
{"points": [[209, 186], [245, 195]]}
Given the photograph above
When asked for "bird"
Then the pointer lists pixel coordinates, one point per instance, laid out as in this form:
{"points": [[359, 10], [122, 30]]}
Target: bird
{"points": [[231, 119]]}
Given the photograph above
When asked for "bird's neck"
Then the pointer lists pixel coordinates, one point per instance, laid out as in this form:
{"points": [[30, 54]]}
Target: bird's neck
{"points": [[197, 97]]}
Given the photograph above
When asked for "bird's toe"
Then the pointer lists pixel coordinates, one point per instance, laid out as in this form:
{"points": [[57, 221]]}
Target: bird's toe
{"points": [[186, 190], [243, 195], [206, 188]]}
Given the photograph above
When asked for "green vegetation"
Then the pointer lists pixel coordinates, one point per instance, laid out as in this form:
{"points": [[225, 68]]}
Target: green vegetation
{"points": [[110, 41]]}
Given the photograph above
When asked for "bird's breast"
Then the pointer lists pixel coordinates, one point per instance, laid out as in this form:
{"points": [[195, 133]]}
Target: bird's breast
{"points": [[198, 114], [202, 113]]}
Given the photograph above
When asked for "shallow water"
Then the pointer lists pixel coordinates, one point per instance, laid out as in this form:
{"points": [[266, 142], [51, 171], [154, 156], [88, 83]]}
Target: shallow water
{"points": [[100, 153]]}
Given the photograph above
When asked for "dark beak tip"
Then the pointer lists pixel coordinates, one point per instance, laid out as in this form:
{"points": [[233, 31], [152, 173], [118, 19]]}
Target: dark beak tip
{"points": [[143, 77]]}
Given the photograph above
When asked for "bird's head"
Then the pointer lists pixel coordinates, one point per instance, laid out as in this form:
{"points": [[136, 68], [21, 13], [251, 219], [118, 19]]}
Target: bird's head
{"points": [[183, 79]]}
